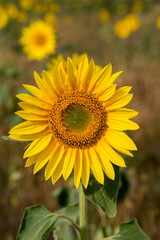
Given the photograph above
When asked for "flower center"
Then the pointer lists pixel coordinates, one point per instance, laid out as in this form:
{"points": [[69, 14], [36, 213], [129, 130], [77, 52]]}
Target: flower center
{"points": [[40, 39], [78, 119]]}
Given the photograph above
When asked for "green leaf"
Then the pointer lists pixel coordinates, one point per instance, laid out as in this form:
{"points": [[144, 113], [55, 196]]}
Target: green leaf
{"points": [[129, 231], [36, 224], [71, 212], [105, 196], [64, 232]]}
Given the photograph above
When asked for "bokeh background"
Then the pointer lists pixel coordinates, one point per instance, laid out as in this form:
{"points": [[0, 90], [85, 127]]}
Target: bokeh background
{"points": [[102, 29]]}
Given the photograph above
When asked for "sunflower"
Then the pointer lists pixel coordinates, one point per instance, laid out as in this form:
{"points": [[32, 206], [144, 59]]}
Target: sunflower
{"points": [[38, 40], [75, 120], [122, 28], [3, 17]]}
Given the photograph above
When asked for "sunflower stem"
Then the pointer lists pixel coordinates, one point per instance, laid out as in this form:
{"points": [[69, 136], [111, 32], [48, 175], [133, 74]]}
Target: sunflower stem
{"points": [[82, 214]]}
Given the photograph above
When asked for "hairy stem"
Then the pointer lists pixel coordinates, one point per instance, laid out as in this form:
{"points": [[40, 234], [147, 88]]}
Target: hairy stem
{"points": [[82, 214]]}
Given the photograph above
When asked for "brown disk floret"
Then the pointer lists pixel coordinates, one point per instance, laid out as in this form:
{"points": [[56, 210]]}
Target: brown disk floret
{"points": [[86, 136]]}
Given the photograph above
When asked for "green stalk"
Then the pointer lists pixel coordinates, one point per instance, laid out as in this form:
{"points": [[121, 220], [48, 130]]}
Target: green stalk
{"points": [[82, 214]]}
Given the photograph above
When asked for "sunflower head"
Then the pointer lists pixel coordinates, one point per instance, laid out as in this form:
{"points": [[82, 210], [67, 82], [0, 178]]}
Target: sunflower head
{"points": [[38, 40], [75, 119], [3, 17]]}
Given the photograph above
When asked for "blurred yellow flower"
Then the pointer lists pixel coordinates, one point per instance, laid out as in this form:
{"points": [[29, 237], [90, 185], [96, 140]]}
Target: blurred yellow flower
{"points": [[55, 7], [133, 21], [26, 4], [55, 61], [122, 28], [12, 10], [21, 17], [137, 6], [122, 8], [50, 18], [104, 15], [3, 17], [38, 40], [40, 8], [158, 22]]}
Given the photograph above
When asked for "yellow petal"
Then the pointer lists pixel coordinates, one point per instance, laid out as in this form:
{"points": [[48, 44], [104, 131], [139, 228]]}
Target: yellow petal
{"points": [[104, 81], [121, 124], [118, 103], [96, 85], [30, 161], [30, 137], [39, 165], [72, 73], [122, 113], [33, 101], [107, 166], [69, 162], [122, 150], [37, 146], [42, 84], [95, 166], [110, 154], [58, 170], [78, 168], [26, 128], [33, 109], [62, 75], [85, 169], [114, 77], [88, 75], [107, 93], [43, 157], [37, 93], [31, 117], [119, 139], [59, 78], [125, 89], [54, 161], [55, 89], [82, 68], [39, 157], [120, 93]]}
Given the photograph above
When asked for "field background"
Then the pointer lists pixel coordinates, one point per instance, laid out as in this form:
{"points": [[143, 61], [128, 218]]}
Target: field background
{"points": [[80, 30]]}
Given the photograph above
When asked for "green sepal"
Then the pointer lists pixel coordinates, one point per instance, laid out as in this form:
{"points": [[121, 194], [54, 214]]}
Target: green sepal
{"points": [[7, 138]]}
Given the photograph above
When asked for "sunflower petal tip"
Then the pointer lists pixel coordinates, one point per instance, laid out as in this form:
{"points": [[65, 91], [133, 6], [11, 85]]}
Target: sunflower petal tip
{"points": [[36, 75], [77, 186], [25, 155], [69, 59]]}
